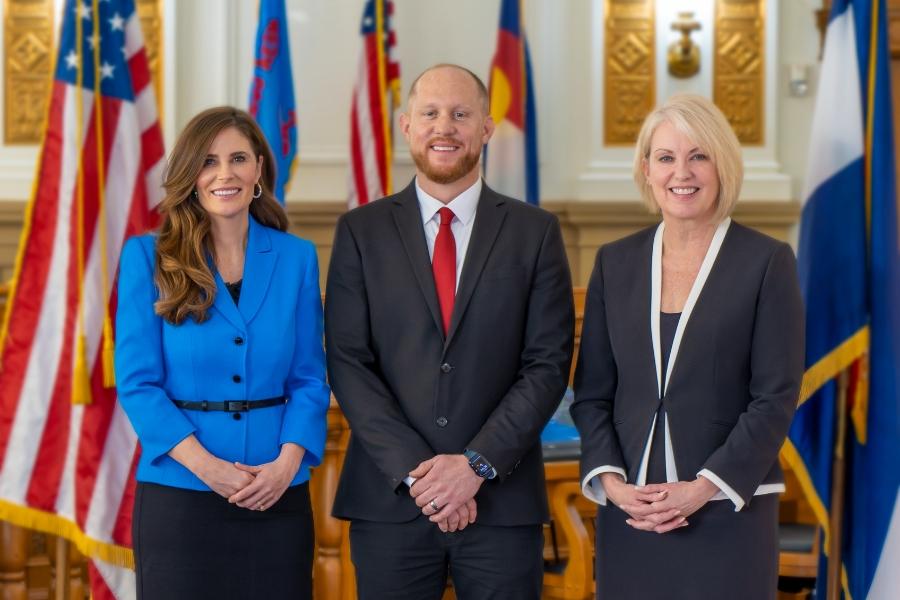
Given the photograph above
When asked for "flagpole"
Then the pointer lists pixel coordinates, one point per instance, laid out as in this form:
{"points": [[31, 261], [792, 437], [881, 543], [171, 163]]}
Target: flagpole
{"points": [[838, 473]]}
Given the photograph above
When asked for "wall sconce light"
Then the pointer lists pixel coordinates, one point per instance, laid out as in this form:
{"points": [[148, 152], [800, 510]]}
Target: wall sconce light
{"points": [[684, 55]]}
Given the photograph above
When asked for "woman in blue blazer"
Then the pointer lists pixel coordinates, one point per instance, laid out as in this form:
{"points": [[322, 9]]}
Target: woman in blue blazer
{"points": [[220, 368]]}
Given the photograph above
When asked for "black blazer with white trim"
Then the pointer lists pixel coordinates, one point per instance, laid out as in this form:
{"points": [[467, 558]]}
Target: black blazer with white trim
{"points": [[734, 382]]}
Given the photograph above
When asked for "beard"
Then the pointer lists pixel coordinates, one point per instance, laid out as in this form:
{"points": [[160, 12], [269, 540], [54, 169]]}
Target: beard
{"points": [[446, 173]]}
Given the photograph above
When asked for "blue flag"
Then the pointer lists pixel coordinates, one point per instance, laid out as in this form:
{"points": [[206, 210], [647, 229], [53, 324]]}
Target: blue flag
{"points": [[849, 261], [272, 90]]}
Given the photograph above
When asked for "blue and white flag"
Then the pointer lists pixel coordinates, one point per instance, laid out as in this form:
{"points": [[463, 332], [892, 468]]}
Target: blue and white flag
{"points": [[272, 90], [849, 261]]}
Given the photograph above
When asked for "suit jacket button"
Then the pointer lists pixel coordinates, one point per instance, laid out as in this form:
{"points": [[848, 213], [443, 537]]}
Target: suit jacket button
{"points": [[238, 341], [441, 421], [446, 368], [236, 378], [236, 416]]}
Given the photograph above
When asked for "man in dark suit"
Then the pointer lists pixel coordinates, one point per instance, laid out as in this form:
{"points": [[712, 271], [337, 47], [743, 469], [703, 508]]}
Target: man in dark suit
{"points": [[449, 339]]}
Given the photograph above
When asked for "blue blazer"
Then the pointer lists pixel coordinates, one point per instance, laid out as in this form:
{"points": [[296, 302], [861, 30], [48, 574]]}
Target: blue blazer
{"points": [[268, 345]]}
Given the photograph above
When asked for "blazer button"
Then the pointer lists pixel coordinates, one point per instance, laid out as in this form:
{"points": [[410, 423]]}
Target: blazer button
{"points": [[441, 421], [238, 341], [236, 416], [236, 378], [446, 368]]}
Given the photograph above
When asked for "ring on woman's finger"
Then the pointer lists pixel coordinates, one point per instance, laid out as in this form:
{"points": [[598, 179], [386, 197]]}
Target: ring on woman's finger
{"points": [[434, 506]]}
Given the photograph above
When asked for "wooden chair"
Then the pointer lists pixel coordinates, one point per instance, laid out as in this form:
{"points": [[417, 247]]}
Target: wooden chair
{"points": [[798, 558]]}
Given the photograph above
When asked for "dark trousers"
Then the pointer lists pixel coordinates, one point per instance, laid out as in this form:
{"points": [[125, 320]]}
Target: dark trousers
{"points": [[411, 561], [191, 545]]}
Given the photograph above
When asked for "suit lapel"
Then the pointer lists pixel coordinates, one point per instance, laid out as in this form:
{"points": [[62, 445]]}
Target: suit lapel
{"points": [[488, 219], [223, 302], [408, 219], [259, 264]]}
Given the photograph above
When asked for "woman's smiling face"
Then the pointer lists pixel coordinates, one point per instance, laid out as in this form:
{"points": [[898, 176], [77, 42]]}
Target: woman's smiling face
{"points": [[682, 176]]}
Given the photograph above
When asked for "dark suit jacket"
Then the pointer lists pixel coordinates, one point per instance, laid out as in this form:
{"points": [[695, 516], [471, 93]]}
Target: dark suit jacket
{"points": [[736, 379], [491, 385]]}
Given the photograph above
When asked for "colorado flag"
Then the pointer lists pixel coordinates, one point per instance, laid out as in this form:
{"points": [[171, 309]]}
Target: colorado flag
{"points": [[511, 160], [849, 261]]}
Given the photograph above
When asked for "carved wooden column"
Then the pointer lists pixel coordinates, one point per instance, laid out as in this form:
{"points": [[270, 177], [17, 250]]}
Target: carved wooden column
{"points": [[333, 576], [75, 567], [13, 559]]}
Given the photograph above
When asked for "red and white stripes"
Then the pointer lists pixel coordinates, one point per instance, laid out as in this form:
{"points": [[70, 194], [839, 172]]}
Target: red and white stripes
{"points": [[69, 468]]}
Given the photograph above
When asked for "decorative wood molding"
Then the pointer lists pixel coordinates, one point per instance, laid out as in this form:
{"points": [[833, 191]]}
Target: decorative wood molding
{"points": [[28, 59], [629, 75], [738, 71], [585, 225], [588, 225]]}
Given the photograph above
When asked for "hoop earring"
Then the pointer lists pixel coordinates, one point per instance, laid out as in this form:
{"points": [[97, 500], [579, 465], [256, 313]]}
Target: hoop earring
{"points": [[258, 191]]}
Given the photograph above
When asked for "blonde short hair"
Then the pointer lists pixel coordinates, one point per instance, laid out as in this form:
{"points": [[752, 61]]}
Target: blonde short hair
{"points": [[701, 121]]}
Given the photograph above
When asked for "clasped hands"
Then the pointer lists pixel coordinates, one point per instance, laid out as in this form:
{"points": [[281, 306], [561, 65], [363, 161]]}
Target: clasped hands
{"points": [[658, 507], [447, 482], [254, 487]]}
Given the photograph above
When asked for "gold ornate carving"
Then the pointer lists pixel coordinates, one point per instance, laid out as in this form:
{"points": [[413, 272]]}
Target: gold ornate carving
{"points": [[629, 82], [28, 43], [150, 13], [739, 84], [28, 57]]}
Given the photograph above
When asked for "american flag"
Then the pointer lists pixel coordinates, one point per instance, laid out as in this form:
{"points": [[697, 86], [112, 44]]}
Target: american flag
{"points": [[376, 95], [66, 467]]}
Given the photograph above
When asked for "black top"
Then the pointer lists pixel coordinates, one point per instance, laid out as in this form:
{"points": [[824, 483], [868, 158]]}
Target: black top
{"points": [[656, 468], [235, 290]]}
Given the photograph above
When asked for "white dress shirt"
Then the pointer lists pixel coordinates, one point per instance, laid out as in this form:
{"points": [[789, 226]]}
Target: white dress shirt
{"points": [[463, 207]]}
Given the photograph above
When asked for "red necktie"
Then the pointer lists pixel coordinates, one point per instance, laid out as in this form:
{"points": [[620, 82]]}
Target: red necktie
{"points": [[443, 265]]}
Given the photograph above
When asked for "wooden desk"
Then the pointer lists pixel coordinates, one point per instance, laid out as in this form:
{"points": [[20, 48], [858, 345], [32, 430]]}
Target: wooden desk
{"points": [[569, 543]]}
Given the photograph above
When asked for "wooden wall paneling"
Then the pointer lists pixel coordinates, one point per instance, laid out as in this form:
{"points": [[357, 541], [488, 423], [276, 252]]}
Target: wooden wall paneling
{"points": [[585, 226]]}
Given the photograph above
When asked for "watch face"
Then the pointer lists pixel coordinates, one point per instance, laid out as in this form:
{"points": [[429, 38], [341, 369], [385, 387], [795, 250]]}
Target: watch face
{"points": [[481, 468]]}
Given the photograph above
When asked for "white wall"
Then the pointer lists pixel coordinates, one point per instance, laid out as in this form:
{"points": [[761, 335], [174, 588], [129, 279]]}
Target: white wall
{"points": [[209, 53]]}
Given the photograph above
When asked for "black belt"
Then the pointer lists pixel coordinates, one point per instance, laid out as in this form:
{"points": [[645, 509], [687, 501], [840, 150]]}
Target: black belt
{"points": [[230, 405]]}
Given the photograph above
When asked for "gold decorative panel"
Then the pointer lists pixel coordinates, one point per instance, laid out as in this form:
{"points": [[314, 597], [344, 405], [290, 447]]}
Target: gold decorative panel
{"points": [[28, 46], [150, 13], [629, 83], [738, 77], [28, 58]]}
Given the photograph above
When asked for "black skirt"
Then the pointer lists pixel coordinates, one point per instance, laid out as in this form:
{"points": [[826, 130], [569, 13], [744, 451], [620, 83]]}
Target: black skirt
{"points": [[193, 545], [721, 554]]}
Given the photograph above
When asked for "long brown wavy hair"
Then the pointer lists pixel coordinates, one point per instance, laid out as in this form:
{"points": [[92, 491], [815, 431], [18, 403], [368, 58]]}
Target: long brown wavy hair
{"points": [[187, 287]]}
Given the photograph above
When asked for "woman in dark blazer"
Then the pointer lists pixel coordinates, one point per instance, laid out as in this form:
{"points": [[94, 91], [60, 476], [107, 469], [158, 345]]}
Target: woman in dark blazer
{"points": [[688, 376], [220, 368]]}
